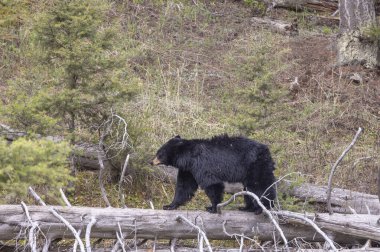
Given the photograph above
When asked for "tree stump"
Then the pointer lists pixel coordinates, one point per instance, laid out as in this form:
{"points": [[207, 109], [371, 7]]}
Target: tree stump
{"points": [[354, 44]]}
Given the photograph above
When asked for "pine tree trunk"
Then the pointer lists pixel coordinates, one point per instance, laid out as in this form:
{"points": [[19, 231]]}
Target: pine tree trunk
{"points": [[354, 44]]}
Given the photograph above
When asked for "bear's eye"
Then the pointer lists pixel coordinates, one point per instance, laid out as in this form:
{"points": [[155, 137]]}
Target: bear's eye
{"points": [[160, 156]]}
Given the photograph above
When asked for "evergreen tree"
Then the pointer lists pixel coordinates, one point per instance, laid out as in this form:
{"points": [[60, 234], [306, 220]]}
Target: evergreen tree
{"points": [[78, 72]]}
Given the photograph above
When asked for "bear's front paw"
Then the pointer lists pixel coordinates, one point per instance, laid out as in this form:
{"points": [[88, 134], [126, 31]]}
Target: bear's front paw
{"points": [[245, 209], [170, 207], [256, 210], [211, 209]]}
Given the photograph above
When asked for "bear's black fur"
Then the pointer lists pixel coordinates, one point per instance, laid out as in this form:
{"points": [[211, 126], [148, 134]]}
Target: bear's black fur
{"points": [[210, 162]]}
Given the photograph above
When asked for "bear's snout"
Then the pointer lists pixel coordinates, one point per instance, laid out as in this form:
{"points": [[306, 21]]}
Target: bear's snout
{"points": [[155, 161]]}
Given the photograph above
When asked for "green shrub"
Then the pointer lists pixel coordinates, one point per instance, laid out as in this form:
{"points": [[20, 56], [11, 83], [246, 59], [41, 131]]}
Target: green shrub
{"points": [[37, 163]]}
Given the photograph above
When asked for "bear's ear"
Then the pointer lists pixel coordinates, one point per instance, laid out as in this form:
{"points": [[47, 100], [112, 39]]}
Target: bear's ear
{"points": [[178, 137]]}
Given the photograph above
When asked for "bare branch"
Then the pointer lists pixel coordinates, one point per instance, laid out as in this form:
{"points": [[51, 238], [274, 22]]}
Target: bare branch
{"points": [[121, 195], [367, 245], [151, 204], [36, 197], [200, 231], [116, 245], [241, 244], [200, 243], [311, 223], [88, 233], [32, 235], [120, 237], [46, 245], [76, 241], [329, 188], [67, 202], [121, 142], [125, 136], [172, 244], [279, 180], [120, 146], [219, 207], [57, 215], [154, 244], [120, 241], [71, 228], [241, 235], [335, 13], [101, 170]]}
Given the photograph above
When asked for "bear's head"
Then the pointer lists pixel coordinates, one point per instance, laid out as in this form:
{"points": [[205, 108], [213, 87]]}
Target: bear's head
{"points": [[167, 152]]}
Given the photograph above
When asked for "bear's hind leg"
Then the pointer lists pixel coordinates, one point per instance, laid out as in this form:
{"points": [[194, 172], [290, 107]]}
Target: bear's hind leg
{"points": [[250, 203], [252, 206], [184, 191], [215, 194]]}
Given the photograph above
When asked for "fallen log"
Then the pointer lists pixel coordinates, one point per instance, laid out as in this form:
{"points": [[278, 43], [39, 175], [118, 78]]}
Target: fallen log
{"points": [[311, 5], [160, 224], [184, 249], [342, 200], [4, 248], [279, 26]]}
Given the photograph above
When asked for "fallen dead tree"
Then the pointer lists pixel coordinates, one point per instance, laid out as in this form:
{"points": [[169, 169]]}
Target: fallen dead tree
{"points": [[185, 249], [160, 224], [279, 26], [342, 200], [313, 5]]}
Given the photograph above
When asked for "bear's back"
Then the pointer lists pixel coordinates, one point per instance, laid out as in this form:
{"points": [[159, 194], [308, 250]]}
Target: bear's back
{"points": [[223, 158]]}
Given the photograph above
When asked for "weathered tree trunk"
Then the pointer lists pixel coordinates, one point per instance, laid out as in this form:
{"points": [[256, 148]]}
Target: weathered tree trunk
{"points": [[354, 44], [188, 249], [278, 26], [342, 200], [314, 5], [184, 249], [160, 224]]}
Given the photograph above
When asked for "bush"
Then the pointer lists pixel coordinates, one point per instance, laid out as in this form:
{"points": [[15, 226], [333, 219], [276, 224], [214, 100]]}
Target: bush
{"points": [[37, 163]]}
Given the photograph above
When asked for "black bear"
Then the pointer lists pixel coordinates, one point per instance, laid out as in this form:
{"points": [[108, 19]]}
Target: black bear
{"points": [[210, 162]]}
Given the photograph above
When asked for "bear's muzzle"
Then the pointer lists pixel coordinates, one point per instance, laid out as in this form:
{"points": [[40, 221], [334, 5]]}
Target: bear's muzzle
{"points": [[155, 161]]}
